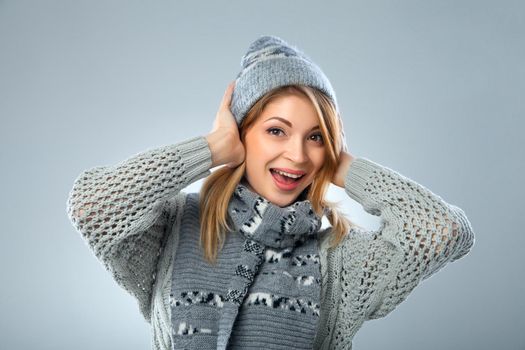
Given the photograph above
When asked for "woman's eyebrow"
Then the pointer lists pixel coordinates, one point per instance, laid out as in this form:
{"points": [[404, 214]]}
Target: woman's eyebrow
{"points": [[290, 124]]}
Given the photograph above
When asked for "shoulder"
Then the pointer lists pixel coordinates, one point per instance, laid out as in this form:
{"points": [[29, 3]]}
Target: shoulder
{"points": [[175, 205], [360, 249], [355, 236], [176, 201]]}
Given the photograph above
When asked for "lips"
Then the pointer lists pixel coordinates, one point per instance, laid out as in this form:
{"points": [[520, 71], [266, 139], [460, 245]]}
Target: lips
{"points": [[284, 182], [290, 171]]}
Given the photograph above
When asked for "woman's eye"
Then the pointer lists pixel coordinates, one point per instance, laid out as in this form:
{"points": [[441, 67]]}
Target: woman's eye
{"points": [[279, 132], [274, 131], [318, 137]]}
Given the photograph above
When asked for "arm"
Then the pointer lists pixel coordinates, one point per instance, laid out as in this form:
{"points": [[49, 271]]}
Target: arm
{"points": [[420, 233], [123, 211]]}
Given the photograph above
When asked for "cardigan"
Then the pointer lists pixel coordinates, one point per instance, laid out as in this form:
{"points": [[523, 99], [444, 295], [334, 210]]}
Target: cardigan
{"points": [[129, 214]]}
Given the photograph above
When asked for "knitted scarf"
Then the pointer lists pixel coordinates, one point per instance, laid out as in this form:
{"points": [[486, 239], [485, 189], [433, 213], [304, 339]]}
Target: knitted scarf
{"points": [[263, 291]]}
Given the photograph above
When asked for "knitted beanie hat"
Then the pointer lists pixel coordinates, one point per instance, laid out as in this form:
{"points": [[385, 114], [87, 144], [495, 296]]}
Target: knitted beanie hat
{"points": [[271, 62]]}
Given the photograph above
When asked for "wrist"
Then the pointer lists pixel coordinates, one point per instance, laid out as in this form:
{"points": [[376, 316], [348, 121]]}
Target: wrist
{"points": [[218, 143]]}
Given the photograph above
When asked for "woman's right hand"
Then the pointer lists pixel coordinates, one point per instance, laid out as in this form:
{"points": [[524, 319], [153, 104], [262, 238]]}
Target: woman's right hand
{"points": [[224, 140]]}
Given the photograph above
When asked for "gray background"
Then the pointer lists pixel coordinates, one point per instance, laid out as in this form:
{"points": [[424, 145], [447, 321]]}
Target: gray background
{"points": [[431, 89]]}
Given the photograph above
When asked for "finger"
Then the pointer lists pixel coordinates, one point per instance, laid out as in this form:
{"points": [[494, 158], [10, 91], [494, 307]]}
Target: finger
{"points": [[226, 99]]}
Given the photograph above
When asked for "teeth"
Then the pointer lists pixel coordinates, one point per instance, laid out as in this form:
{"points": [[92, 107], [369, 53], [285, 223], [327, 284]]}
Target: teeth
{"points": [[287, 174]]}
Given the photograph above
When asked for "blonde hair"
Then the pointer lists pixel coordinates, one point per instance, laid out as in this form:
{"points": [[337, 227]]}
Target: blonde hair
{"points": [[219, 186]]}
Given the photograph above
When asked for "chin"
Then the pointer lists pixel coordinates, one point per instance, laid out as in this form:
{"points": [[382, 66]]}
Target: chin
{"points": [[285, 204], [282, 202]]}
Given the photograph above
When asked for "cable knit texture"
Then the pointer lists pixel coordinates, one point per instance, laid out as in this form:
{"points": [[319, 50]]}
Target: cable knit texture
{"points": [[130, 216]]}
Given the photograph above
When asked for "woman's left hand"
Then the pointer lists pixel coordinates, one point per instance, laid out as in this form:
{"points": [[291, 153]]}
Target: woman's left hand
{"points": [[345, 160]]}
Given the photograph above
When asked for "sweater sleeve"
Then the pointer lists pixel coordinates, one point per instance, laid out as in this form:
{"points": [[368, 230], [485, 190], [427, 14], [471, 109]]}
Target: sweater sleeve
{"points": [[419, 234], [124, 211]]}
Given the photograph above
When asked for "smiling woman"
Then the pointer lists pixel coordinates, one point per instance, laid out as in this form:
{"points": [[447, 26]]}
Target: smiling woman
{"points": [[244, 263], [291, 148], [291, 128]]}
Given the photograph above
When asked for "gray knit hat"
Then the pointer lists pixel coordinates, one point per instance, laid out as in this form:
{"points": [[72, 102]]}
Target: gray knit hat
{"points": [[271, 62]]}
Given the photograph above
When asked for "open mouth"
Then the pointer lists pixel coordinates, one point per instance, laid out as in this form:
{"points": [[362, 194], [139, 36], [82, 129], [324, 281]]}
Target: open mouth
{"points": [[285, 178]]}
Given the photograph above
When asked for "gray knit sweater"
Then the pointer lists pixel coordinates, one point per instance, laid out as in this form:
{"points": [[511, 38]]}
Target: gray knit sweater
{"points": [[130, 214]]}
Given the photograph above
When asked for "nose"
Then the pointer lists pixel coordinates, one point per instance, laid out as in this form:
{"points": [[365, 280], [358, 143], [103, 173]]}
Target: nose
{"points": [[296, 151]]}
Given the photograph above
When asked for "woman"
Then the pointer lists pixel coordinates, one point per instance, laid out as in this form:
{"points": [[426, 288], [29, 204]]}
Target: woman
{"points": [[245, 263]]}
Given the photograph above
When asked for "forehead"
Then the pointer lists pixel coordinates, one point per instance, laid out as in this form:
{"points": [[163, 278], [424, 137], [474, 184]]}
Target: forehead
{"points": [[297, 109]]}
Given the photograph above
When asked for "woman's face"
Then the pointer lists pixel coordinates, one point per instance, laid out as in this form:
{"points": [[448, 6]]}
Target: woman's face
{"points": [[287, 137]]}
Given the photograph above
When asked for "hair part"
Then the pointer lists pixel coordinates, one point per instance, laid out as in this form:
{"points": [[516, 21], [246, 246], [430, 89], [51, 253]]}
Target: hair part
{"points": [[219, 186]]}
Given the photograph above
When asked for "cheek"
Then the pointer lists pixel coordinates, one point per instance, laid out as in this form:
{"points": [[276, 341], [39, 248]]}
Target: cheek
{"points": [[256, 158], [318, 158], [259, 151], [252, 154]]}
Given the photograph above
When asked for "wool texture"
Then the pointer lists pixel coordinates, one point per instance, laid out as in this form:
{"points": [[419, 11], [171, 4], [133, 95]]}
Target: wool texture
{"points": [[131, 217], [267, 275], [271, 62]]}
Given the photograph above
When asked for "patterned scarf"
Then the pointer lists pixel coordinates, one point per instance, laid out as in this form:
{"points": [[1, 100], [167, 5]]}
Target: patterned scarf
{"points": [[265, 287]]}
